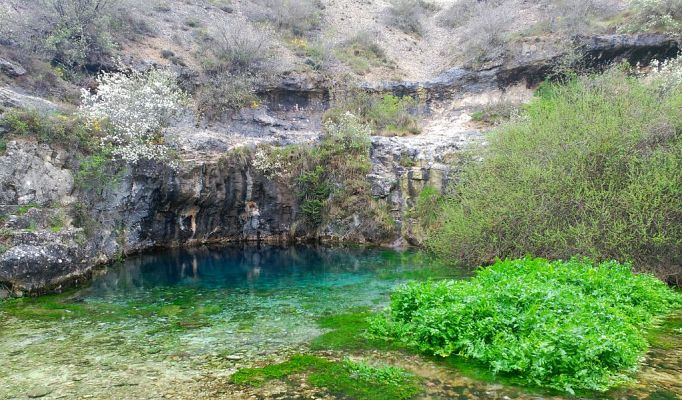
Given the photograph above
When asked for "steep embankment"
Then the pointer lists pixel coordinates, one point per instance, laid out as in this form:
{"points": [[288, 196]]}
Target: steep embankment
{"points": [[57, 229]]}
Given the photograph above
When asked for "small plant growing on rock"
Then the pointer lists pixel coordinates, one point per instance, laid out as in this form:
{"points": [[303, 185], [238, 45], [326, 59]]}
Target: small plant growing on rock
{"points": [[407, 15], [387, 115], [296, 16], [137, 106], [656, 16]]}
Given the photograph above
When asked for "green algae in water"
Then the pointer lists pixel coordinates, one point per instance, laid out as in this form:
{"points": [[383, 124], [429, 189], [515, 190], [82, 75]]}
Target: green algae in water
{"points": [[168, 317], [351, 379], [167, 320]]}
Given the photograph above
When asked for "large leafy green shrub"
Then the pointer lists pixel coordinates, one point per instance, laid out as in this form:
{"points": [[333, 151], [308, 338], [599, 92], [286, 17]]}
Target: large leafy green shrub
{"points": [[566, 325], [592, 167]]}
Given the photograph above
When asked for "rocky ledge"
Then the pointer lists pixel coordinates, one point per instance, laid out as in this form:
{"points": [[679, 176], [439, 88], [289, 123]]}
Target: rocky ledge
{"points": [[53, 233]]}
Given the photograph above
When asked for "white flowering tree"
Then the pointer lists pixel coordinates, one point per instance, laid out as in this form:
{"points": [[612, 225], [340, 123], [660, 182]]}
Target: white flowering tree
{"points": [[137, 106]]}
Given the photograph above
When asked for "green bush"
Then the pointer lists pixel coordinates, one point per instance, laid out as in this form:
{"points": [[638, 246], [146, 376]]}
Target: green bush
{"points": [[362, 52], [314, 193], [388, 115], [61, 129], [566, 325], [655, 15], [407, 15], [97, 172], [591, 168]]}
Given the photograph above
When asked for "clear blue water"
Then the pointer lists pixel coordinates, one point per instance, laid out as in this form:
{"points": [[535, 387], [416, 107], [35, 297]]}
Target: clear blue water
{"points": [[178, 323], [172, 316]]}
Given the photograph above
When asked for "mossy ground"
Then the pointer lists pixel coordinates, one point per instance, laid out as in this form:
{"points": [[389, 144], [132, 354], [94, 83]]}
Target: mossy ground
{"points": [[357, 380]]}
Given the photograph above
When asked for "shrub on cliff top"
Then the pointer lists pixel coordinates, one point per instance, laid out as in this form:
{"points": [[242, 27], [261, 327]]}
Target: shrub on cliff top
{"points": [[566, 325], [592, 167], [655, 15], [387, 115], [136, 106]]}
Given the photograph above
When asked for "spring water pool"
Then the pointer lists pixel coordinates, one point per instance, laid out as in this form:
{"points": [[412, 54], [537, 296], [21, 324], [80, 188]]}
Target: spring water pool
{"points": [[178, 323]]}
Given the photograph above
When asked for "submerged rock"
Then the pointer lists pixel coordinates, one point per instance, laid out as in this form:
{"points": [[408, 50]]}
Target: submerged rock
{"points": [[39, 392]]}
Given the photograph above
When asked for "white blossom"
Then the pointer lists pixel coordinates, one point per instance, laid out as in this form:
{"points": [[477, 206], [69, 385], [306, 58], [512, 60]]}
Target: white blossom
{"points": [[137, 106]]}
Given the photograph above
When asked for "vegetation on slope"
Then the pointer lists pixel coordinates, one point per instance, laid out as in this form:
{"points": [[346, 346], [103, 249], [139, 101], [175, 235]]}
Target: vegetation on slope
{"points": [[331, 178], [592, 168], [566, 325]]}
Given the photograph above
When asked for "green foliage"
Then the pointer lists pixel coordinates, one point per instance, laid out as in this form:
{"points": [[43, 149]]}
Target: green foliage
{"points": [[97, 172], [361, 53], [258, 376], [347, 331], [425, 213], [24, 209], [331, 176], [655, 16], [67, 130], [388, 115], [180, 310], [57, 222], [566, 325], [357, 380], [314, 193], [591, 168], [82, 218], [407, 15]]}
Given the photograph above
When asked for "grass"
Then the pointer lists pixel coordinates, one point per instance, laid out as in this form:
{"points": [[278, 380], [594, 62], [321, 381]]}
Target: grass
{"points": [[568, 326], [24, 209], [67, 130], [347, 331], [387, 115], [362, 53], [590, 168], [351, 379]]}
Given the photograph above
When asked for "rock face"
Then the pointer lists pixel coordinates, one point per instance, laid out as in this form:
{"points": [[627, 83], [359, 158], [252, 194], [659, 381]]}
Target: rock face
{"points": [[11, 68], [53, 233], [214, 201], [32, 173], [537, 62]]}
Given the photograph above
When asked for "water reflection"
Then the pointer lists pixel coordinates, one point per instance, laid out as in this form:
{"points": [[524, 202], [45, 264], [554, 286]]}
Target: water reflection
{"points": [[254, 267]]}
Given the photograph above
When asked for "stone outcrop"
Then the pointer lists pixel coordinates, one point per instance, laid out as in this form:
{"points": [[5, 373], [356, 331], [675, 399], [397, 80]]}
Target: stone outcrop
{"points": [[32, 173], [536, 62], [13, 99], [11, 68], [53, 233]]}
